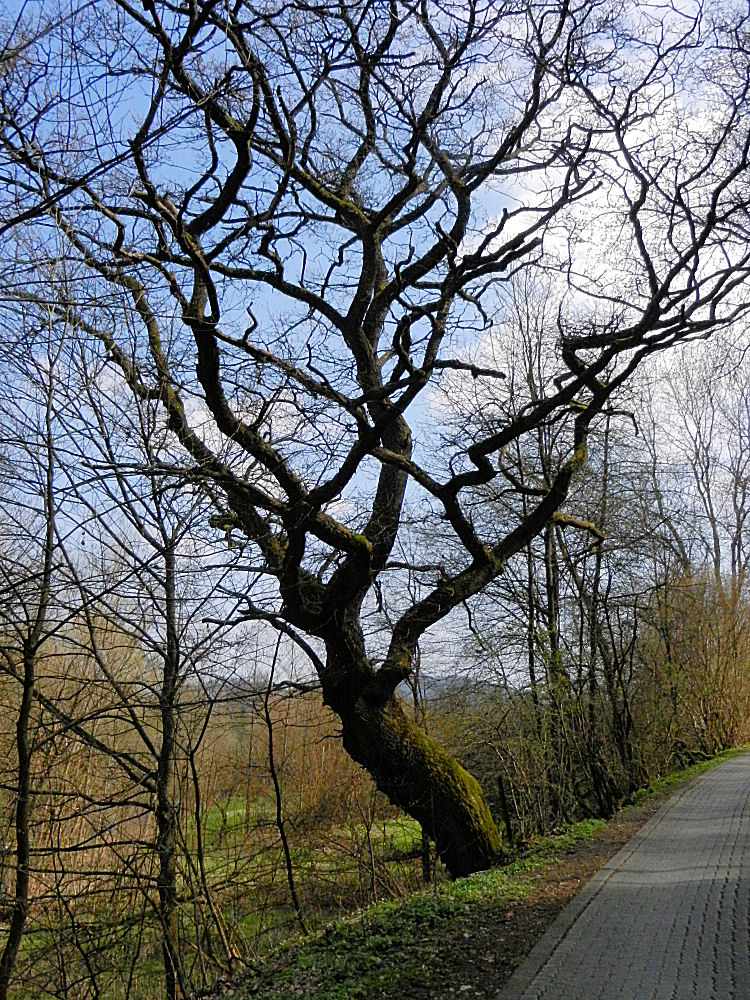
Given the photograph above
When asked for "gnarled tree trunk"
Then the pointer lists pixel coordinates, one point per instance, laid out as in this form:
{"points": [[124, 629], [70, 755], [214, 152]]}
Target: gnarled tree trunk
{"points": [[410, 767], [418, 775]]}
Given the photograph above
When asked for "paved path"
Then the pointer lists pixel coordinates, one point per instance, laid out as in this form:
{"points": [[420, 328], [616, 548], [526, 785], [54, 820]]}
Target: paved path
{"points": [[667, 918]]}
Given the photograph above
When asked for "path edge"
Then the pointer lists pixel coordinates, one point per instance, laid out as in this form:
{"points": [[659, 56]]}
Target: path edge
{"points": [[556, 933]]}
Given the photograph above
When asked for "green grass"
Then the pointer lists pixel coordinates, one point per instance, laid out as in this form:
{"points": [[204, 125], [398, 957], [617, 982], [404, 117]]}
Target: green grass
{"points": [[401, 834], [676, 779], [231, 820], [328, 864], [395, 942], [375, 949], [351, 958]]}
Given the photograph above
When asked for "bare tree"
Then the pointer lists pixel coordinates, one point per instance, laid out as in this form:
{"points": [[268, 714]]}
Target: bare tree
{"points": [[164, 583], [331, 170], [27, 588], [702, 482]]}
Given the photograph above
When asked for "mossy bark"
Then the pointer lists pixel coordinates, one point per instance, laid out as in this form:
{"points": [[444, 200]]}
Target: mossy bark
{"points": [[407, 765], [417, 775]]}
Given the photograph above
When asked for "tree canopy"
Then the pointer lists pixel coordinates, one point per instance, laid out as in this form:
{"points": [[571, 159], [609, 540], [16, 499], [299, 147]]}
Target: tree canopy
{"points": [[290, 224]]}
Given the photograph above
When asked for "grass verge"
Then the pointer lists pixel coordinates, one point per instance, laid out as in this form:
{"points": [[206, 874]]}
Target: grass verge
{"points": [[461, 938]]}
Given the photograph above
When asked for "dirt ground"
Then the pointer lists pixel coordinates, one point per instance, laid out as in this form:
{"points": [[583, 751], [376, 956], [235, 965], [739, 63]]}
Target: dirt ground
{"points": [[485, 946]]}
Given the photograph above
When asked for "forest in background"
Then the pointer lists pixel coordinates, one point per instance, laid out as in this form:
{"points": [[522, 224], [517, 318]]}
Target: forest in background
{"points": [[614, 649], [374, 453]]}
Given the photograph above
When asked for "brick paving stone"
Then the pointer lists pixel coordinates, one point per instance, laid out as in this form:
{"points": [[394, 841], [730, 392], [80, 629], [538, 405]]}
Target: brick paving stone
{"points": [[668, 917]]}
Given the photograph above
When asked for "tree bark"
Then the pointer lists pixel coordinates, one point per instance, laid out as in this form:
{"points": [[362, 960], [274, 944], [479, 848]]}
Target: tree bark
{"points": [[22, 822], [419, 776], [166, 819]]}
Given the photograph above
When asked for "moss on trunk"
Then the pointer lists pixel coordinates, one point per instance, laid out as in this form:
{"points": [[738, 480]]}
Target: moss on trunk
{"points": [[417, 775]]}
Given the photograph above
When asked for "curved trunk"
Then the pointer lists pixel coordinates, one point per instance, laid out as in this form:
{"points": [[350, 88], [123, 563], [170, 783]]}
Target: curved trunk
{"points": [[406, 764], [417, 775]]}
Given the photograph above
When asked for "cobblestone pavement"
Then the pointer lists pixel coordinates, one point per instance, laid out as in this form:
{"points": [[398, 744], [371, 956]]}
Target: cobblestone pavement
{"points": [[667, 917]]}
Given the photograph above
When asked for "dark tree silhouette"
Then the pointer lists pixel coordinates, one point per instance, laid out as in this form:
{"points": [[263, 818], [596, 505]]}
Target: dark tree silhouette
{"points": [[361, 179]]}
